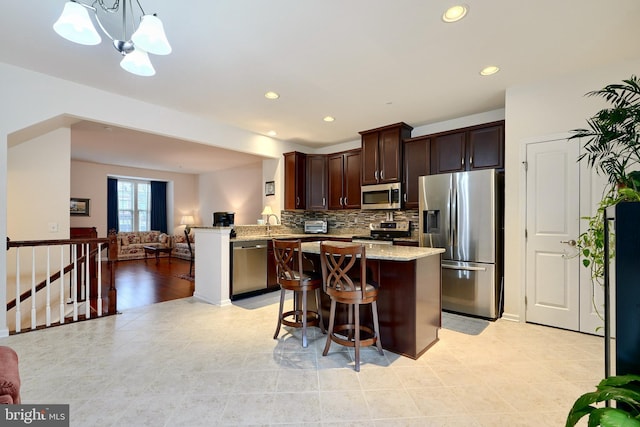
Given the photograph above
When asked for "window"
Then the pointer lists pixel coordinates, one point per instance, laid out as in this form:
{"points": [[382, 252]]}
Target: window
{"points": [[134, 205]]}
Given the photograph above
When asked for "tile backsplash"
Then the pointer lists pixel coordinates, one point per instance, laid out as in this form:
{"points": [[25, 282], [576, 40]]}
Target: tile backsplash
{"points": [[347, 218]]}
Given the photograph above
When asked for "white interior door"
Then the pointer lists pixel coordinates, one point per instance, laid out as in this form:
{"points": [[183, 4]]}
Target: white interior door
{"points": [[553, 221]]}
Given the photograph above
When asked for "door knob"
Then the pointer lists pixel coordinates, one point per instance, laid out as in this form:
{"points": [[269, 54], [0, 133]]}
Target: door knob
{"points": [[569, 242]]}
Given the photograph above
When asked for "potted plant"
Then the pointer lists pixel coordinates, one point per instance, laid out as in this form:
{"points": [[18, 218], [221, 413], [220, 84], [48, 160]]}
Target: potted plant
{"points": [[612, 148], [624, 389]]}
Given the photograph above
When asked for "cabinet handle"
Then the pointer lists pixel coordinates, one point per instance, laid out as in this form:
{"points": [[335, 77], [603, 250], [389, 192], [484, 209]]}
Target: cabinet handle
{"points": [[341, 204], [345, 201], [471, 161], [375, 175], [323, 202], [381, 174], [405, 197], [462, 161], [297, 201]]}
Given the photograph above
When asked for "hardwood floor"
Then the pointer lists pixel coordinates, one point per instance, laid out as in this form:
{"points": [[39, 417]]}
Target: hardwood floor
{"points": [[141, 282]]}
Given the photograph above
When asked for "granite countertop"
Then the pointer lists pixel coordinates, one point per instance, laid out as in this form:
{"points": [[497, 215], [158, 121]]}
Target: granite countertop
{"points": [[382, 252], [244, 238]]}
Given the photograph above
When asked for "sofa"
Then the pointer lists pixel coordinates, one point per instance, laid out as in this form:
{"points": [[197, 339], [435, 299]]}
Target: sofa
{"points": [[130, 244], [181, 247], [9, 377]]}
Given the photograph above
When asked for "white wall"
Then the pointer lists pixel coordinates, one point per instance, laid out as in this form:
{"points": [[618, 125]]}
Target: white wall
{"points": [[89, 181], [533, 111], [231, 190], [38, 187]]}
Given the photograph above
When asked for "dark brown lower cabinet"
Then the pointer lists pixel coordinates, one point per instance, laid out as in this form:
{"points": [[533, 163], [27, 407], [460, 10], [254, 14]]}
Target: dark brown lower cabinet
{"points": [[409, 304]]}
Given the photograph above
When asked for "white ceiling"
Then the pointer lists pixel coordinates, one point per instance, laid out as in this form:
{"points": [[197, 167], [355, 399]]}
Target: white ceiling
{"points": [[368, 63]]}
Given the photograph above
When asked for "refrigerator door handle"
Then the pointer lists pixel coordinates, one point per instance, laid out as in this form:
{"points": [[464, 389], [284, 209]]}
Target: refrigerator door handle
{"points": [[454, 226], [455, 267], [450, 243]]}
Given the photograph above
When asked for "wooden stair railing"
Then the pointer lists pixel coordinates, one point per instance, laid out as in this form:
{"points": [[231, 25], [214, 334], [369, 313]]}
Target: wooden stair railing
{"points": [[112, 251]]}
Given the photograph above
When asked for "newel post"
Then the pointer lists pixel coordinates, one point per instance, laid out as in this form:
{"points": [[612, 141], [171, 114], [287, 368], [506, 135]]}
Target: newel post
{"points": [[113, 256]]}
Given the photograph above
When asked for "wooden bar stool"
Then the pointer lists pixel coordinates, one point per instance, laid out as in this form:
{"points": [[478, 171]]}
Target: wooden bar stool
{"points": [[352, 290], [290, 276]]}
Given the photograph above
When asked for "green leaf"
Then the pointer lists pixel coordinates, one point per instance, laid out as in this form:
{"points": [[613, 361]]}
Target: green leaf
{"points": [[612, 417]]}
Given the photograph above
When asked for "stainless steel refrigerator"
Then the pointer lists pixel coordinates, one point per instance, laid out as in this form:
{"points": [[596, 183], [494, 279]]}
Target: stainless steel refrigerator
{"points": [[463, 213]]}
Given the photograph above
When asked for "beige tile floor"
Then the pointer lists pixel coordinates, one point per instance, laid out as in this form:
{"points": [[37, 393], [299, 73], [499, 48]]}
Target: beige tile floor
{"points": [[187, 363]]}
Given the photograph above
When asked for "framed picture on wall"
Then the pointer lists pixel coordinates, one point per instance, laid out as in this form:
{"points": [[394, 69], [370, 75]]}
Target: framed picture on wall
{"points": [[79, 207], [269, 188]]}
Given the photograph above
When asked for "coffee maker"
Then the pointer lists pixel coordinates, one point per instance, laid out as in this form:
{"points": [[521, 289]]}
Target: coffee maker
{"points": [[224, 219]]}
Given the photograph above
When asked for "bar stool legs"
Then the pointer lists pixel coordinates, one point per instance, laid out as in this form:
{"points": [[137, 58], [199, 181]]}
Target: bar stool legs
{"points": [[301, 318]]}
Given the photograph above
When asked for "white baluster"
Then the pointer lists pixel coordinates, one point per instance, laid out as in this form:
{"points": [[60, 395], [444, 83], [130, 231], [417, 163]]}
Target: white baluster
{"points": [[74, 280], [87, 281], [99, 260], [34, 322], [62, 289], [18, 311], [48, 306]]}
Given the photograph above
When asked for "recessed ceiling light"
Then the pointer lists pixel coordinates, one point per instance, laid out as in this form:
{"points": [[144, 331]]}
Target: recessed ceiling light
{"points": [[487, 71], [272, 133], [271, 95], [328, 119], [455, 13]]}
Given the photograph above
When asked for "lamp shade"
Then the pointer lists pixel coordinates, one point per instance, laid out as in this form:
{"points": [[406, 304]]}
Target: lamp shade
{"points": [[137, 62], [187, 220], [75, 25], [150, 36], [267, 211]]}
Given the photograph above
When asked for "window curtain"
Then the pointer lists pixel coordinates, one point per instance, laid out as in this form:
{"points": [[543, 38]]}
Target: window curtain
{"points": [[112, 204], [159, 206]]}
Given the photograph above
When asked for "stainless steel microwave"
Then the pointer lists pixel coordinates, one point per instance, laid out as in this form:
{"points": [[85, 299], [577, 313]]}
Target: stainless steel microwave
{"points": [[381, 196]]}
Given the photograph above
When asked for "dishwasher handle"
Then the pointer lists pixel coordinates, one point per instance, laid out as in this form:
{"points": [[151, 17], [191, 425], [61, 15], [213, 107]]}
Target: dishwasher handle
{"points": [[236, 248]]}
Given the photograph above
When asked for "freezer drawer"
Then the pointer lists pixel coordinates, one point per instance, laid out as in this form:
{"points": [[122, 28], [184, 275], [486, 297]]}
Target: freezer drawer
{"points": [[470, 288]]}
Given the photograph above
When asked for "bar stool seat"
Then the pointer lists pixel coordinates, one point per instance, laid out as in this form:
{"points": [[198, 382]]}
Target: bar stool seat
{"points": [[291, 277], [342, 287]]}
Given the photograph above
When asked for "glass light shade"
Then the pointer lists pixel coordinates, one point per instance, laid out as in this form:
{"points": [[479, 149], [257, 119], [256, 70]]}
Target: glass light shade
{"points": [[267, 211], [150, 36], [75, 25], [186, 220], [138, 63]]}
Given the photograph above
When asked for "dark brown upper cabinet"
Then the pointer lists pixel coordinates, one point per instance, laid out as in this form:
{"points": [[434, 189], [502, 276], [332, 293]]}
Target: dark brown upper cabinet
{"points": [[382, 153], [295, 180], [316, 181], [344, 171], [476, 147], [417, 162]]}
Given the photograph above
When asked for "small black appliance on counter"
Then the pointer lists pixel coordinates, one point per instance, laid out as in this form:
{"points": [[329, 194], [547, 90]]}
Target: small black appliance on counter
{"points": [[224, 219]]}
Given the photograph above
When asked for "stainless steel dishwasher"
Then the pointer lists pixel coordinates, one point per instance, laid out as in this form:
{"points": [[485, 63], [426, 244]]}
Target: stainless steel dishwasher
{"points": [[248, 267]]}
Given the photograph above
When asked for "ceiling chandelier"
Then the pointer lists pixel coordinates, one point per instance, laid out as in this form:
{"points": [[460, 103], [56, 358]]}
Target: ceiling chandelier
{"points": [[75, 25]]}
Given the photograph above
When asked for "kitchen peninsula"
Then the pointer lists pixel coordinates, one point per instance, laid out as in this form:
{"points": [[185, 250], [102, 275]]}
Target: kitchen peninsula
{"points": [[409, 298]]}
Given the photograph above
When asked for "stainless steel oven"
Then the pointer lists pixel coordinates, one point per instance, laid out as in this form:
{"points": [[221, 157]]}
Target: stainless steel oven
{"points": [[381, 196]]}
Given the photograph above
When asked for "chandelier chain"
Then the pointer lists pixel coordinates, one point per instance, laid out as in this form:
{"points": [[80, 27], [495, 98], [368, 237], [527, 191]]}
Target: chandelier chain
{"points": [[115, 6]]}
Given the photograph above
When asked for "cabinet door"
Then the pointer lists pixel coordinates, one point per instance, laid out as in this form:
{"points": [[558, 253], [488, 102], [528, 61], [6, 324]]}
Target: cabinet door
{"points": [[486, 148], [370, 158], [448, 153], [351, 179], [334, 174], [417, 161], [294, 180], [390, 156], [316, 182]]}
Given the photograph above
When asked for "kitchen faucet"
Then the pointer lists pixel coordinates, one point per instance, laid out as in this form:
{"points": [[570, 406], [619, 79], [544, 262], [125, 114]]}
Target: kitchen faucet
{"points": [[269, 222]]}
